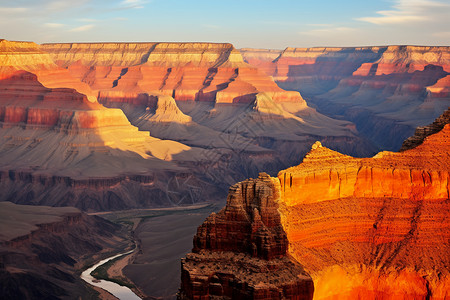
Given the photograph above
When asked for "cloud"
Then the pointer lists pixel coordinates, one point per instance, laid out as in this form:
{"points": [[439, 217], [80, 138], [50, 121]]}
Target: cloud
{"points": [[82, 28], [53, 25], [64, 5], [13, 10], [133, 3], [410, 11]]}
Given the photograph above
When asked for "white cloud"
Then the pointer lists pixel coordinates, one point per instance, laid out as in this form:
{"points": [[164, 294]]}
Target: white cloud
{"points": [[13, 10], [82, 28], [63, 5], [133, 3], [54, 25], [409, 11]]}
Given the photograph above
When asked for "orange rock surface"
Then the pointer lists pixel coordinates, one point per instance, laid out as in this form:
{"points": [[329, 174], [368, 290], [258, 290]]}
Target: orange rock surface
{"points": [[372, 228], [186, 71], [363, 228]]}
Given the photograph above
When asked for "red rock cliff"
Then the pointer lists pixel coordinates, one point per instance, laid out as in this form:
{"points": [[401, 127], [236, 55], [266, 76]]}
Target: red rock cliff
{"points": [[240, 252], [363, 228]]}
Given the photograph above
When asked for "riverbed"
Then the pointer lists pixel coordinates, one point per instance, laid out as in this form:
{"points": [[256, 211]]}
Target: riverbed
{"points": [[121, 292]]}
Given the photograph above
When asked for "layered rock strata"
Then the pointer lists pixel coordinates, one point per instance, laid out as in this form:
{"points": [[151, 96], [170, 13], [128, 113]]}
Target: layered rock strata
{"points": [[386, 91], [55, 140], [186, 71], [241, 252], [216, 93], [363, 228]]}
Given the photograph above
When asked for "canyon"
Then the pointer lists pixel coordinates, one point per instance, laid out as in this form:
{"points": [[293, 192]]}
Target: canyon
{"points": [[108, 126], [387, 91], [362, 228], [43, 250], [119, 129]]}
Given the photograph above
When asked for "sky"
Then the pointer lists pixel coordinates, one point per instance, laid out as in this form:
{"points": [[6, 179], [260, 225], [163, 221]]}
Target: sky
{"points": [[244, 23]]}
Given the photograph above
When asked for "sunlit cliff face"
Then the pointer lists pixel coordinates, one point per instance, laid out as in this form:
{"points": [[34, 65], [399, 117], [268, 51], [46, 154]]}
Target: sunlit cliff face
{"points": [[372, 228], [363, 228]]}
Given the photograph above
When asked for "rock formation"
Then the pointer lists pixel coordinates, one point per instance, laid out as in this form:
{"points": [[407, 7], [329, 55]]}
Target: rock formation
{"points": [[241, 252], [386, 91], [53, 140], [66, 109], [363, 228], [425, 131], [43, 249]]}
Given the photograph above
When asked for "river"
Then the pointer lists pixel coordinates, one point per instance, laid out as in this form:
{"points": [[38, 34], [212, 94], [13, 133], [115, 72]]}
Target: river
{"points": [[121, 292]]}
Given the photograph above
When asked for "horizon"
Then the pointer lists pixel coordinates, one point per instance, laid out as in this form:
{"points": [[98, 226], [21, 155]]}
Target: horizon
{"points": [[206, 42], [244, 24]]}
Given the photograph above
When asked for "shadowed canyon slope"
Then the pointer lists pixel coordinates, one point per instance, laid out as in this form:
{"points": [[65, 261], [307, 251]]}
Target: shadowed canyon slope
{"points": [[363, 228], [386, 91], [42, 248], [171, 120]]}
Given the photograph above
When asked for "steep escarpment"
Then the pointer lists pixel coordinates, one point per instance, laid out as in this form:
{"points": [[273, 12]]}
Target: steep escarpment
{"points": [[205, 95], [212, 118], [364, 228], [54, 140], [386, 91], [43, 249], [375, 227], [240, 252]]}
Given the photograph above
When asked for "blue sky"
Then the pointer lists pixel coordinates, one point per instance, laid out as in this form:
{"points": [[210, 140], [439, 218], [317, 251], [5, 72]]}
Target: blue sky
{"points": [[245, 23]]}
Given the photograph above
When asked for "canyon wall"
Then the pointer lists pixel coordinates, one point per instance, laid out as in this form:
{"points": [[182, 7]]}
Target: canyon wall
{"points": [[43, 249], [241, 252], [362, 228], [53, 140], [386, 91], [128, 120]]}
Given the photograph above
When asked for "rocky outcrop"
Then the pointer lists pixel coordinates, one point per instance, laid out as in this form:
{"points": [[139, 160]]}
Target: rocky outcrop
{"points": [[240, 252], [43, 249], [363, 228], [386, 91], [375, 227], [425, 131]]}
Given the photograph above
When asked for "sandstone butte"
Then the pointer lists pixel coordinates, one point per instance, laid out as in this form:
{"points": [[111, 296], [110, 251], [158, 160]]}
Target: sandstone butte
{"points": [[362, 228], [387, 91]]}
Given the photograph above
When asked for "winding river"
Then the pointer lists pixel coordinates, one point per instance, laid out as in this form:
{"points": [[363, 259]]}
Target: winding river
{"points": [[121, 292]]}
